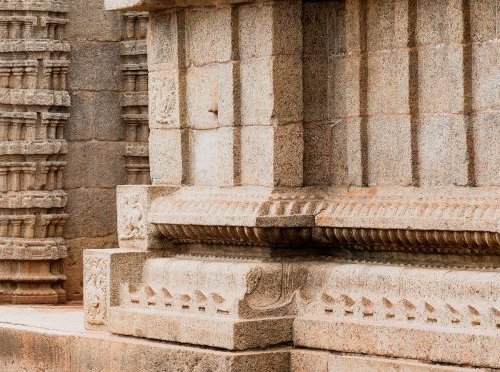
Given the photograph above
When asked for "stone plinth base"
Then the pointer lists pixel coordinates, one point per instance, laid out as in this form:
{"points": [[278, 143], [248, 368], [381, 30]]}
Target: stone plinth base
{"points": [[34, 338]]}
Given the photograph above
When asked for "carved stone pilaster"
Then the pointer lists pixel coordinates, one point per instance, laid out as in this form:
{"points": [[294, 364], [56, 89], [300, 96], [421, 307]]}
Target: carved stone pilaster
{"points": [[135, 97]]}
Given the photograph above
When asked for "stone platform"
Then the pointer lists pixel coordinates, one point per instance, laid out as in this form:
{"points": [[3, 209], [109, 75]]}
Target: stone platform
{"points": [[53, 338]]}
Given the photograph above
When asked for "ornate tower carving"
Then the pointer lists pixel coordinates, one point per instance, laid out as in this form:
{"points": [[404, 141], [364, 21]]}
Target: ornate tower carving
{"points": [[135, 96], [34, 65]]}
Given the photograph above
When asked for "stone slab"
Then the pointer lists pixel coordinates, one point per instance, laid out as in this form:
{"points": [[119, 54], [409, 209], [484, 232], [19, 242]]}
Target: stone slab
{"points": [[400, 341], [307, 360], [232, 334]]}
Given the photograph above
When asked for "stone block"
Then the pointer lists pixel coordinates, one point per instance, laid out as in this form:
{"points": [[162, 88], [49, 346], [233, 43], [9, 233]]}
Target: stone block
{"points": [[92, 213], [270, 29], [343, 86], [166, 109], [210, 96], [388, 77], [80, 124], [308, 360], [166, 38], [354, 151], [439, 22], [339, 151], [389, 150], [486, 76], [440, 78], [167, 152], [103, 271], [94, 164], [108, 124], [486, 144], [272, 155], [213, 157], [94, 66], [483, 20], [209, 35], [276, 96], [387, 25], [318, 149], [442, 151], [315, 68], [106, 26]]}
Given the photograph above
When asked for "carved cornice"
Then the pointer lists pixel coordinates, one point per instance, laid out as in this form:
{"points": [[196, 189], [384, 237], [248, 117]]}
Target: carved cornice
{"points": [[454, 220]]}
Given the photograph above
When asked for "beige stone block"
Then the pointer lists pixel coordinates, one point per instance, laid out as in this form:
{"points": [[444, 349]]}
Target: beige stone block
{"points": [[272, 155], [389, 150], [388, 77], [270, 29], [210, 95], [103, 272], [165, 38], [209, 35], [315, 69], [439, 22], [308, 360], [387, 24], [486, 144], [275, 97], [165, 104], [343, 86], [442, 150], [213, 157], [486, 76], [317, 154], [440, 78], [483, 21], [167, 149], [94, 164], [232, 334], [354, 151], [339, 145], [92, 213], [94, 66]]}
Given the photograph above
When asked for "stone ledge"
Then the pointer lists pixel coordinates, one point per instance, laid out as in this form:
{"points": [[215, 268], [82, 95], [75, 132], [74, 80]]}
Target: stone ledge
{"points": [[56, 341], [231, 334]]}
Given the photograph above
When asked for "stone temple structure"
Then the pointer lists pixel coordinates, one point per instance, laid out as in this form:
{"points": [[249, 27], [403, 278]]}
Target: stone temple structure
{"points": [[325, 186]]}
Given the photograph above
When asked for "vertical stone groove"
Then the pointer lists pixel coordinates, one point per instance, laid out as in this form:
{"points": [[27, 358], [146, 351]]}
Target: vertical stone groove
{"points": [[413, 87], [467, 90], [363, 89]]}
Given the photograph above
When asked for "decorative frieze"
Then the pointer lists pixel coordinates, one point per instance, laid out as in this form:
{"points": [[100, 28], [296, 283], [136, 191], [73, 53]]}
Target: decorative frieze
{"points": [[32, 147]]}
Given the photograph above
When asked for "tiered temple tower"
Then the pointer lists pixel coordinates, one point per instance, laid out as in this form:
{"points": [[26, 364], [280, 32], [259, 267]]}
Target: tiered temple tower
{"points": [[34, 65]]}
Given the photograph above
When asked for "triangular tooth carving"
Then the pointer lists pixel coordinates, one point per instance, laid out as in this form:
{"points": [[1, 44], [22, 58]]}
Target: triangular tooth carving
{"points": [[218, 299], [327, 299], [166, 294], [200, 297]]}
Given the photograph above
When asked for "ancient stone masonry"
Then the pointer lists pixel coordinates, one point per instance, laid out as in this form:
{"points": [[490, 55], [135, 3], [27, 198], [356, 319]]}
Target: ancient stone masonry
{"points": [[323, 174], [135, 96], [33, 110]]}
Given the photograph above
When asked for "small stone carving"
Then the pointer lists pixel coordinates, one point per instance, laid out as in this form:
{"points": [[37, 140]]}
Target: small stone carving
{"points": [[95, 289], [164, 102], [132, 224]]}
